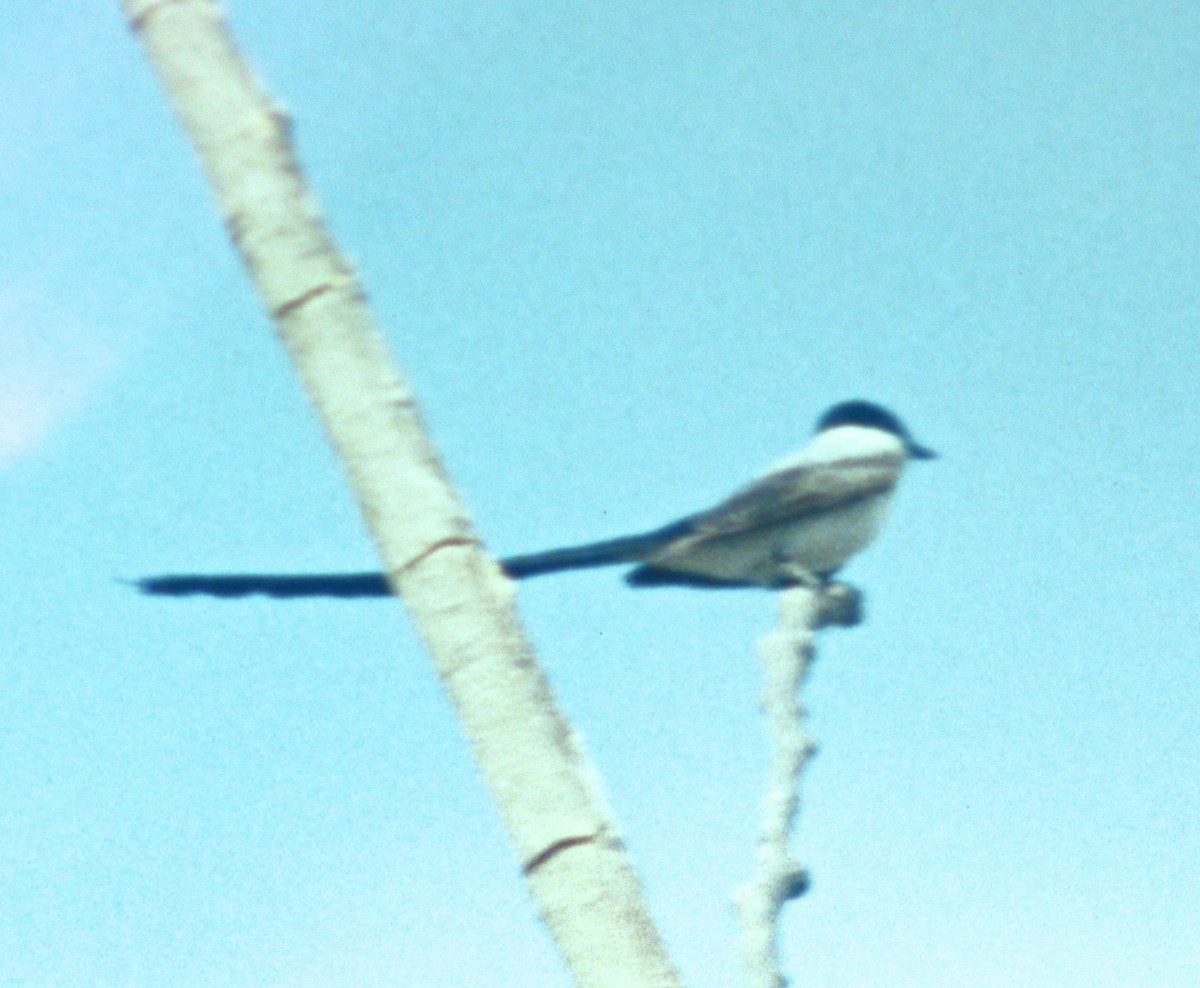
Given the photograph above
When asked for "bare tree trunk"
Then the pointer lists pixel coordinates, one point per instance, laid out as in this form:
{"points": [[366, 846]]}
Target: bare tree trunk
{"points": [[574, 861]]}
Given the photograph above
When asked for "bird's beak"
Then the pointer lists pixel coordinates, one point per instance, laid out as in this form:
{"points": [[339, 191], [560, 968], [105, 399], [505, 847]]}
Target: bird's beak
{"points": [[918, 452]]}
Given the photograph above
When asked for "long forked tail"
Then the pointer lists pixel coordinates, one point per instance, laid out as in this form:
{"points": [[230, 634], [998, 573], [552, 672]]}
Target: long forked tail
{"points": [[344, 585], [630, 549], [349, 586]]}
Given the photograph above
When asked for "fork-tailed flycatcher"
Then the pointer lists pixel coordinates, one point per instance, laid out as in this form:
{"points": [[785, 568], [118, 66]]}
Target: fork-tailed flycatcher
{"points": [[797, 524]]}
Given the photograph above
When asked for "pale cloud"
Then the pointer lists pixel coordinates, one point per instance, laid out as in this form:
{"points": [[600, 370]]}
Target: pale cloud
{"points": [[49, 367]]}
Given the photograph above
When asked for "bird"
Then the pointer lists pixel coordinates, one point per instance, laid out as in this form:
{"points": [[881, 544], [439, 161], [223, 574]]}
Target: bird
{"points": [[797, 525]]}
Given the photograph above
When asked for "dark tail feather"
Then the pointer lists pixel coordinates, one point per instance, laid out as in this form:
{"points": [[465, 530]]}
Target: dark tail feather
{"points": [[649, 576], [344, 585], [574, 557], [630, 549]]}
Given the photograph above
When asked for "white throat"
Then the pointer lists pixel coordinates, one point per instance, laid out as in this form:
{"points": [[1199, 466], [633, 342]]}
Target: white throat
{"points": [[845, 442]]}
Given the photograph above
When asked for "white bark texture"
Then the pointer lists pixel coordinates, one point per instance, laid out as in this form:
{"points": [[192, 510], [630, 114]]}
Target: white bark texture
{"points": [[787, 654], [463, 607]]}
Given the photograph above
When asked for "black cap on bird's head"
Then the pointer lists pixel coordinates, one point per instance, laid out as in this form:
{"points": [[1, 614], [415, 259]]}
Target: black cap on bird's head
{"points": [[871, 416]]}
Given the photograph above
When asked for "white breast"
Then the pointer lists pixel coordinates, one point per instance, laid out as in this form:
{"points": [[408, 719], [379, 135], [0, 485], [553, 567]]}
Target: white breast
{"points": [[820, 545], [823, 544]]}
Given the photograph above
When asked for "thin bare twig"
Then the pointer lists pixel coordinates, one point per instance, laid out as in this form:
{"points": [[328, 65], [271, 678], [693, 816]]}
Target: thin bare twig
{"points": [[787, 654]]}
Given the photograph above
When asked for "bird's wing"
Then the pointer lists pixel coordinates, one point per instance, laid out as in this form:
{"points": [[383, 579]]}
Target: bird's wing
{"points": [[796, 493]]}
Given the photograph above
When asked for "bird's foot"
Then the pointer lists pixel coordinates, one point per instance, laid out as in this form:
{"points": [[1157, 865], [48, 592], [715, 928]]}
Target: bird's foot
{"points": [[791, 574]]}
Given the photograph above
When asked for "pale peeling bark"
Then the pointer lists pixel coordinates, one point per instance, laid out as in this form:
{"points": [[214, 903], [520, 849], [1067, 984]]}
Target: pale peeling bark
{"points": [[787, 654], [575, 864]]}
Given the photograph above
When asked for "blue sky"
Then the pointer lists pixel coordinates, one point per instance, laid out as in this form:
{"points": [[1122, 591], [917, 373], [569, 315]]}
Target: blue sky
{"points": [[626, 254]]}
